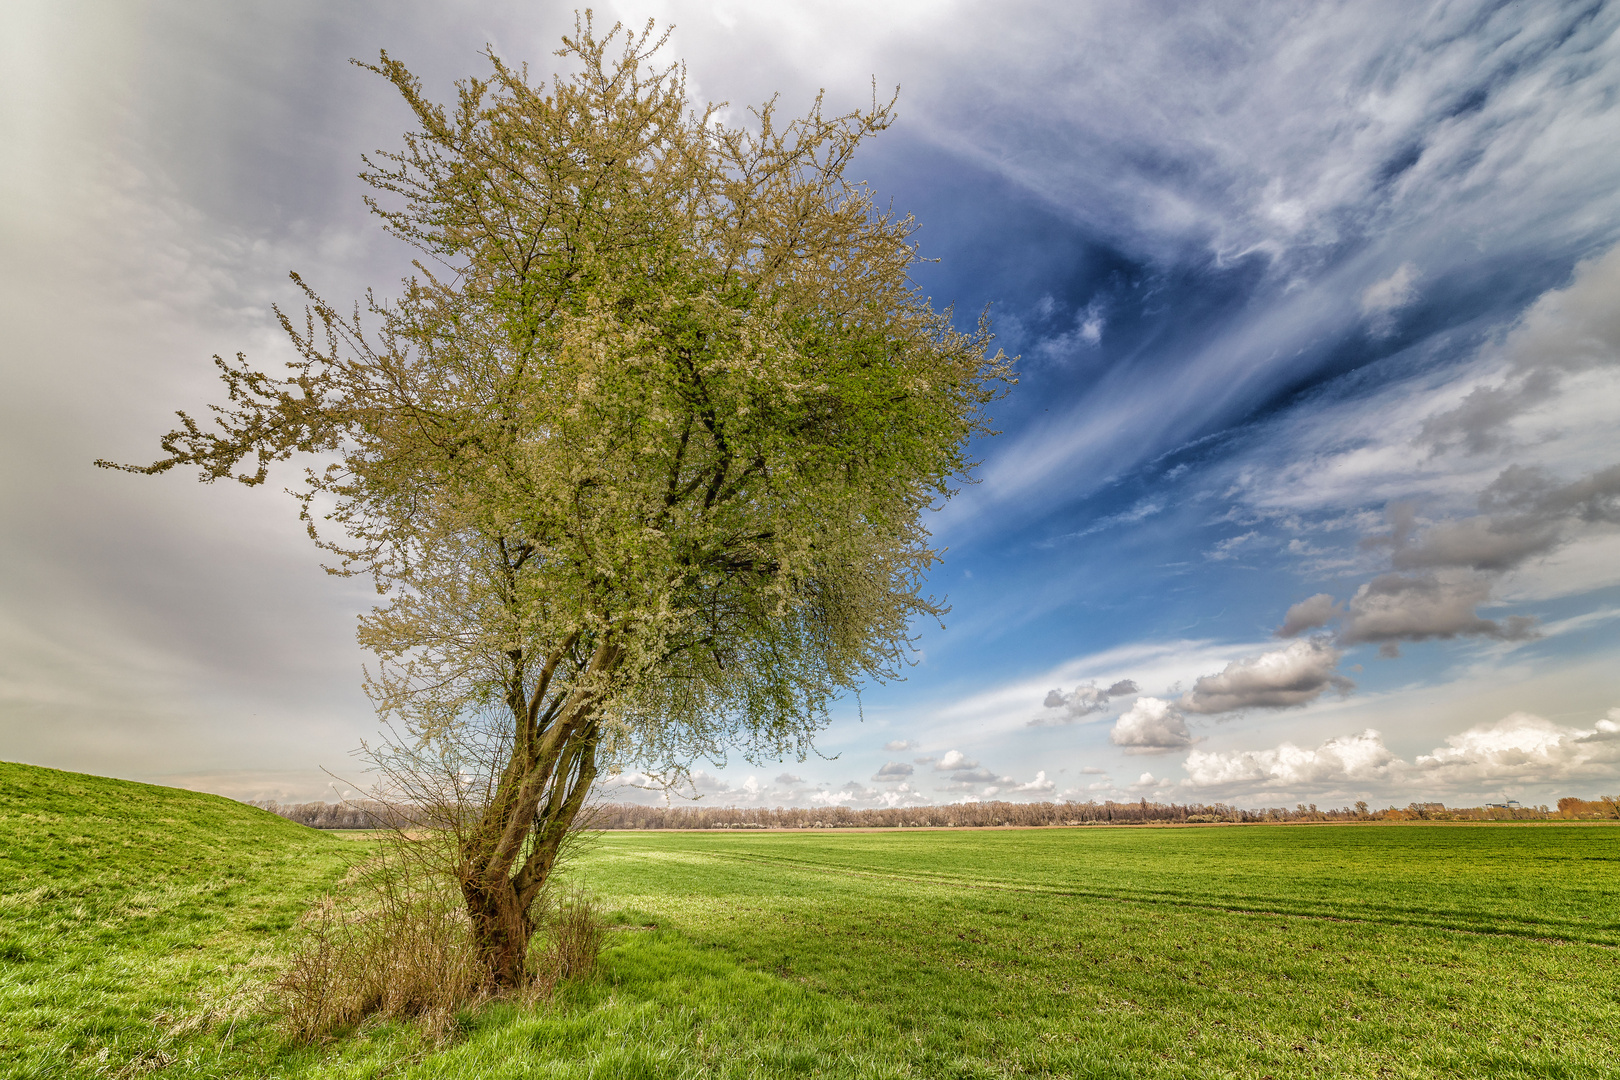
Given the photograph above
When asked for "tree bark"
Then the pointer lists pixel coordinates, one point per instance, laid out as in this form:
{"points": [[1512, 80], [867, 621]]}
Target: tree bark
{"points": [[509, 853]]}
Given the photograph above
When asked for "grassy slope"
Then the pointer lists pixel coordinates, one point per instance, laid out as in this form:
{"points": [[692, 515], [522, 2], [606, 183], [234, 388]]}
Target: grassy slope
{"points": [[134, 917], [1404, 951]]}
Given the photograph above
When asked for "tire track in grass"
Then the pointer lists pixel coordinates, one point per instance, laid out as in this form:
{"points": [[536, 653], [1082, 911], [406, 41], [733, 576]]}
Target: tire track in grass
{"points": [[1530, 929]]}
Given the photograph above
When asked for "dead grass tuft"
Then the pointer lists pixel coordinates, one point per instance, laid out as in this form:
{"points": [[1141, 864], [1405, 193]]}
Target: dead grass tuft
{"points": [[402, 948], [406, 955]]}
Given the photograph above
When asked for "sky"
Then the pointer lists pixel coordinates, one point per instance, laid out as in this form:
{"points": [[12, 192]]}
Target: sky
{"points": [[1309, 490]]}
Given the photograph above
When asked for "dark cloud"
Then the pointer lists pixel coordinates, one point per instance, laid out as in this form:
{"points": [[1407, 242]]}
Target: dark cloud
{"points": [[1525, 514], [1534, 493], [1295, 675], [1084, 700], [969, 777], [1564, 333], [1447, 570], [1308, 614], [1418, 607], [1479, 543]]}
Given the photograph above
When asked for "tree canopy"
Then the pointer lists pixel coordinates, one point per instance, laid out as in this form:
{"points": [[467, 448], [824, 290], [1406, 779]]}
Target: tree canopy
{"points": [[640, 453]]}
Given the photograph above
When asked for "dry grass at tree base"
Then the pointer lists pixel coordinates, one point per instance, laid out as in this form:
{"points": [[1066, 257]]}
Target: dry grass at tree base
{"points": [[403, 949]]}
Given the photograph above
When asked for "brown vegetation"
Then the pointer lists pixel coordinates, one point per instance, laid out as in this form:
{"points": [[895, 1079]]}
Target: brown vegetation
{"points": [[401, 945], [1606, 807]]}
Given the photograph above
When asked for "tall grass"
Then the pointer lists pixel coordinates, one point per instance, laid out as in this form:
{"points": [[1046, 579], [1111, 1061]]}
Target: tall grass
{"points": [[398, 945]]}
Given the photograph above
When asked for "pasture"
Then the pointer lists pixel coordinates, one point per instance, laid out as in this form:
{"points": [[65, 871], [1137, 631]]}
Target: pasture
{"points": [[139, 925]]}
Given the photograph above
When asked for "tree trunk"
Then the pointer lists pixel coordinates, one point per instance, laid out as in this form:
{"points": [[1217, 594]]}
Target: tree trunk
{"points": [[501, 928], [507, 858]]}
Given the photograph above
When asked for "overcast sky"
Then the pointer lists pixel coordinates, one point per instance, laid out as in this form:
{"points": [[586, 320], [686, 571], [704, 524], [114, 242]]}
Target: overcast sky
{"points": [[1309, 491]]}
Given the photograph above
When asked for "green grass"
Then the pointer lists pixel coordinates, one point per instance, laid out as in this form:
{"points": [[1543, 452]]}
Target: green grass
{"points": [[1405, 950], [139, 925]]}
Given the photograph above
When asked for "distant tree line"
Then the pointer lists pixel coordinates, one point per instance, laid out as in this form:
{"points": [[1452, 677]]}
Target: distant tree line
{"points": [[370, 814], [1606, 807], [987, 814], [359, 814]]}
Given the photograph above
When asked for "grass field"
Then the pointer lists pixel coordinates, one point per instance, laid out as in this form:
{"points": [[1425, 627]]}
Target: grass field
{"points": [[132, 938]]}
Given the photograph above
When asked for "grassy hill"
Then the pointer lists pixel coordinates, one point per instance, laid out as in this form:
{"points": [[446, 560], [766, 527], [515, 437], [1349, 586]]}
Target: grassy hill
{"points": [[129, 914], [140, 925]]}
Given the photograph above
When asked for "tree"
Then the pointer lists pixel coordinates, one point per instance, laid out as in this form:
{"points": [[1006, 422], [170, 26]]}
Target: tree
{"points": [[639, 454]]}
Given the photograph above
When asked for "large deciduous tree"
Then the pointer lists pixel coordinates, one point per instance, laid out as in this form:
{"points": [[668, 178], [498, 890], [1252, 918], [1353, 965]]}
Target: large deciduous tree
{"points": [[640, 452]]}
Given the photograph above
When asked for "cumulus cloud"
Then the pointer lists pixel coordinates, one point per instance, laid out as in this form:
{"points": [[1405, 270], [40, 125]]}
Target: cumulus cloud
{"points": [[1308, 614], [1151, 726], [1362, 757], [893, 770], [1533, 493], [1294, 675], [900, 744], [952, 761], [1519, 749], [787, 779], [1038, 786], [854, 794], [1523, 747], [1565, 332], [1400, 607]]}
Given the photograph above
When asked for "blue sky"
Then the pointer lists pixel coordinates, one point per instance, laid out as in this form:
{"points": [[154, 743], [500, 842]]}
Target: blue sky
{"points": [[1318, 310]]}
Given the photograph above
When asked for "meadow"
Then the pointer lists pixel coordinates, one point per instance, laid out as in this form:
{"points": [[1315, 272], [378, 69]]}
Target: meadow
{"points": [[138, 927]]}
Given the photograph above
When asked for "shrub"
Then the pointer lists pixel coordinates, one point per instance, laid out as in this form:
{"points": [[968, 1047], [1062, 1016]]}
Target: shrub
{"points": [[402, 952], [400, 946]]}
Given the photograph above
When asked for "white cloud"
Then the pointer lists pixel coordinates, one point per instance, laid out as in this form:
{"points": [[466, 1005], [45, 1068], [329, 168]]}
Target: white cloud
{"points": [[857, 795], [1151, 726], [1006, 708], [1349, 758], [1232, 545], [900, 744], [1424, 134], [1038, 786], [893, 770], [1523, 747], [954, 760], [1520, 750], [1382, 298]]}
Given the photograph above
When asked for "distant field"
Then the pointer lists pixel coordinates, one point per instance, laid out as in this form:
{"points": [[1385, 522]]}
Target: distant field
{"points": [[1330, 951]]}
